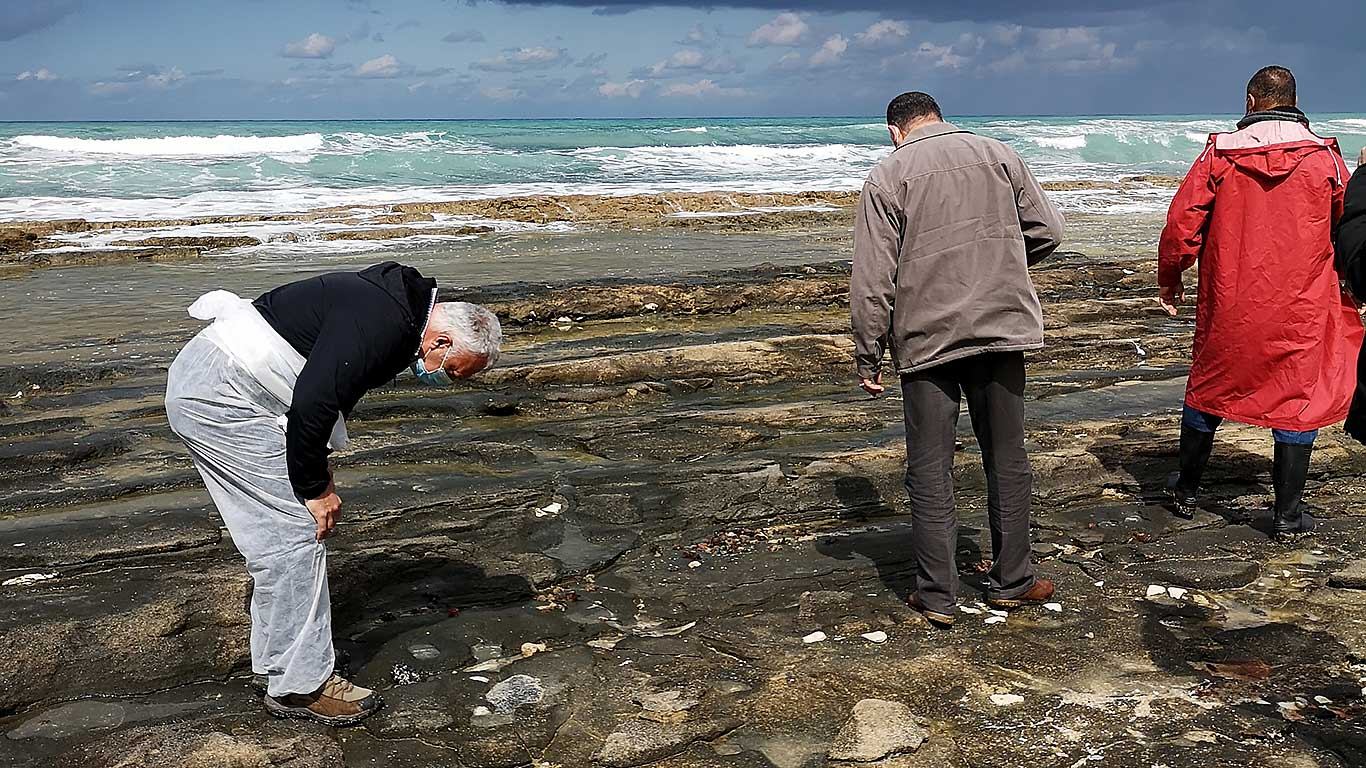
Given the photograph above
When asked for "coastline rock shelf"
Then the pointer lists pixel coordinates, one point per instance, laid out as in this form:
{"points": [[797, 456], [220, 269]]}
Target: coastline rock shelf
{"points": [[669, 532], [25, 246]]}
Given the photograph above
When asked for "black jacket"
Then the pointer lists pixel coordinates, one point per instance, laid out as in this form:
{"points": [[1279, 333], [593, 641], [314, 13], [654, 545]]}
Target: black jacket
{"points": [[1350, 243], [357, 330]]}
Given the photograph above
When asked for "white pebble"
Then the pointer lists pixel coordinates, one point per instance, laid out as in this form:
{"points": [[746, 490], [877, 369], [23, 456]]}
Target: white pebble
{"points": [[996, 620], [815, 637], [875, 637], [27, 579], [1006, 699], [1054, 607], [1154, 590], [1176, 592], [970, 609], [695, 564]]}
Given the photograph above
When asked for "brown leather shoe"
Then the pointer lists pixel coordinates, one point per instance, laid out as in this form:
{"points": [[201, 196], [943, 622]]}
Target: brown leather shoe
{"points": [[1041, 592], [936, 618], [337, 703]]}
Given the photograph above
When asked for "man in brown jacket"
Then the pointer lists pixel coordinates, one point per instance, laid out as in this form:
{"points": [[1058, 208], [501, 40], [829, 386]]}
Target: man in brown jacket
{"points": [[947, 228]]}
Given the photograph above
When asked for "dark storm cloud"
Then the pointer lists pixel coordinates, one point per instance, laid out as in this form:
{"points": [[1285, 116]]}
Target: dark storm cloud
{"points": [[1333, 21], [972, 10], [20, 17]]}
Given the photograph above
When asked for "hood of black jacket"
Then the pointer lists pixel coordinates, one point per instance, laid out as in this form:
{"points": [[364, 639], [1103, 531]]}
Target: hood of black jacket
{"points": [[406, 286]]}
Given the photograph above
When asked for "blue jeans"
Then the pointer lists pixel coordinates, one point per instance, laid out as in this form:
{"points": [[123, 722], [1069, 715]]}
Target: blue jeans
{"points": [[1204, 422]]}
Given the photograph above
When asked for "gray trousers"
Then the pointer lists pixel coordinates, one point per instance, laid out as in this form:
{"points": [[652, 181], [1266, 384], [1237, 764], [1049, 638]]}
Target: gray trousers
{"points": [[994, 386], [233, 429]]}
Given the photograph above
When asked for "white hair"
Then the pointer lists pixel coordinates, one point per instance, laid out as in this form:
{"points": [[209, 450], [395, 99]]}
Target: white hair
{"points": [[472, 328]]}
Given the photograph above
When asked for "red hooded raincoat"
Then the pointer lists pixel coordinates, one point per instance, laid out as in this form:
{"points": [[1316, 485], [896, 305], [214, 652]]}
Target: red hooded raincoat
{"points": [[1276, 340]]}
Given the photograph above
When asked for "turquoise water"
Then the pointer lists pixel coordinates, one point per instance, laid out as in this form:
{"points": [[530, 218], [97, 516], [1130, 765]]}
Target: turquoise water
{"points": [[164, 170]]}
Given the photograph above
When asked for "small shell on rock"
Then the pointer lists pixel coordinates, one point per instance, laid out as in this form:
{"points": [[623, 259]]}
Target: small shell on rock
{"points": [[424, 651]]}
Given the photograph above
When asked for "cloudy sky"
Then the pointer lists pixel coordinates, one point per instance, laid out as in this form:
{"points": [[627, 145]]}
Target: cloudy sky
{"points": [[238, 59]]}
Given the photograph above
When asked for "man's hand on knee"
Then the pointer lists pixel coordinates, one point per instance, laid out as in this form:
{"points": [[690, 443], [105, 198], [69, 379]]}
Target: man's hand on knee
{"points": [[326, 511]]}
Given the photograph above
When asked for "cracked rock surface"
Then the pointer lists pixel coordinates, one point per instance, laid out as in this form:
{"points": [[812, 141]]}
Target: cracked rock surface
{"points": [[609, 550]]}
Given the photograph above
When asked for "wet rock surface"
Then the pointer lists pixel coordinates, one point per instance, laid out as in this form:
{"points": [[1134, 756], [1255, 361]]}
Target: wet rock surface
{"points": [[609, 552]]}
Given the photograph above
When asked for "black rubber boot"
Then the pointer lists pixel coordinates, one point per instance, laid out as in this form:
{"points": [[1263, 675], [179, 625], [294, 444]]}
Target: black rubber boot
{"points": [[1184, 486], [1289, 470]]}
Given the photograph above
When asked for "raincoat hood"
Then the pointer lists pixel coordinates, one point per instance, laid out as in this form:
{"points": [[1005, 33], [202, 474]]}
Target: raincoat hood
{"points": [[1273, 162], [408, 288]]}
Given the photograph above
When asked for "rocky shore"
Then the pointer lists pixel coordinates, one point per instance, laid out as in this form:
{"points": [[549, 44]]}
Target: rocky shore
{"points": [[669, 531], [31, 245]]}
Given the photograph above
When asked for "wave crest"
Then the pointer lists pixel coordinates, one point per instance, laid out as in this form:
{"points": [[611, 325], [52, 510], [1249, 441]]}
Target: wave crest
{"points": [[178, 146]]}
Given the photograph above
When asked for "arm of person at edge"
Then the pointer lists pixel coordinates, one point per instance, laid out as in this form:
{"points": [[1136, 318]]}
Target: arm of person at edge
{"points": [[1040, 221], [1349, 236], [1184, 235], [872, 287], [330, 384]]}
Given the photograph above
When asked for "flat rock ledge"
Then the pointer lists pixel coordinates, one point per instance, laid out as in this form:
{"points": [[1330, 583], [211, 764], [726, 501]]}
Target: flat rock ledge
{"points": [[878, 729]]}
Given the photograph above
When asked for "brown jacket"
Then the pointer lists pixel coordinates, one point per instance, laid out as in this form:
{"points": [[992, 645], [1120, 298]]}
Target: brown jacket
{"points": [[947, 227]]}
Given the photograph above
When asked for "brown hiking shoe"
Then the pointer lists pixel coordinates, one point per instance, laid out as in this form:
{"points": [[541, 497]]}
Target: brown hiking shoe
{"points": [[1041, 592], [337, 703], [943, 620]]}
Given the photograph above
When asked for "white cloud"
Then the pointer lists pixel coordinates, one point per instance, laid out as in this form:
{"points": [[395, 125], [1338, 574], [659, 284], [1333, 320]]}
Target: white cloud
{"points": [[165, 78], [315, 46], [702, 88], [939, 56], [881, 34], [464, 36], [630, 89], [381, 67], [519, 59], [103, 88], [788, 62], [502, 94], [1065, 49], [688, 60], [830, 51], [1006, 34], [784, 29], [42, 75], [700, 36]]}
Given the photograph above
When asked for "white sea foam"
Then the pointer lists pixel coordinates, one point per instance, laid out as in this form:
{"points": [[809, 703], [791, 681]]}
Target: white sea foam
{"points": [[698, 129], [1060, 142], [178, 146]]}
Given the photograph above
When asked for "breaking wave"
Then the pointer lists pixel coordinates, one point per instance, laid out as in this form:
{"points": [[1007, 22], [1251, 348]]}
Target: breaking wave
{"points": [[178, 146], [53, 170]]}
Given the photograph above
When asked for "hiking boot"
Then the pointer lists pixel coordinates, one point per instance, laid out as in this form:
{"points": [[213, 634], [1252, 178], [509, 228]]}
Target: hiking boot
{"points": [[941, 620], [337, 703], [1289, 470], [1184, 486], [1041, 592]]}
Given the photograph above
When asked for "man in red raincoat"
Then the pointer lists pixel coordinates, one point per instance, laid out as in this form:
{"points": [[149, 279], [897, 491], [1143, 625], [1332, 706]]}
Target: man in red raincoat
{"points": [[1276, 340]]}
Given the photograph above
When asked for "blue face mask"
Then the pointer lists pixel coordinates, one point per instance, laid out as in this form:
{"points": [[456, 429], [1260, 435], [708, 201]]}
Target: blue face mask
{"points": [[436, 378]]}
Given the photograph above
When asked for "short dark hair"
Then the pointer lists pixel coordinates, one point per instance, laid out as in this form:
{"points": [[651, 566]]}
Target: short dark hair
{"points": [[911, 105], [1272, 87]]}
